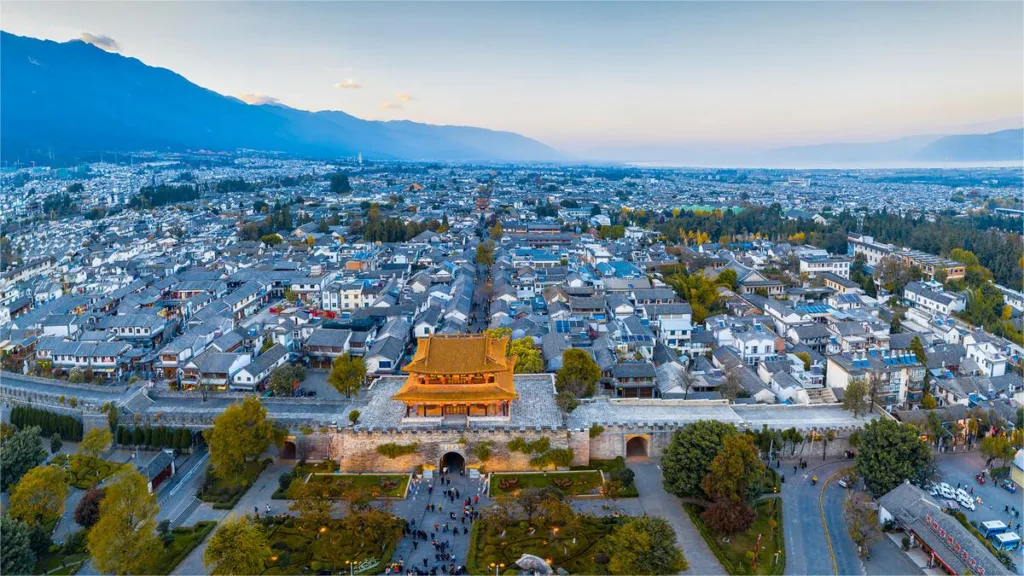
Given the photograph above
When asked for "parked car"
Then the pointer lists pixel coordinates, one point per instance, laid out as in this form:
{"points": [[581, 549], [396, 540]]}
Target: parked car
{"points": [[934, 491], [966, 502], [844, 482], [961, 494], [299, 392], [947, 491], [1009, 486]]}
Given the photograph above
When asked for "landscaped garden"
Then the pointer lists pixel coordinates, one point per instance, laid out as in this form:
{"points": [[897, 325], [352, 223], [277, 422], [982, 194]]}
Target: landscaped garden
{"points": [[615, 471], [85, 471], [574, 483], [376, 485], [736, 551], [299, 550], [540, 523], [178, 543], [226, 492]]}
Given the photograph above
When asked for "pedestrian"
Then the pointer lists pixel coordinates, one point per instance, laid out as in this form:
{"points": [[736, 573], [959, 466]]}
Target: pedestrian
{"points": [[256, 509], [1006, 508], [268, 509], [476, 499]]}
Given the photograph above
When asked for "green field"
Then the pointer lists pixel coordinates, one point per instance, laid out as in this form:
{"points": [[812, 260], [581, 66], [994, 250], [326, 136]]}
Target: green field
{"points": [[574, 483], [86, 472], [297, 551], [736, 555], [183, 540], [588, 555], [225, 493]]}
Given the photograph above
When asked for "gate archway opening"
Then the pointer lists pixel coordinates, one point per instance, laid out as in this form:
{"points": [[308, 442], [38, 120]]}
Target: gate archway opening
{"points": [[636, 448], [453, 462], [289, 450]]}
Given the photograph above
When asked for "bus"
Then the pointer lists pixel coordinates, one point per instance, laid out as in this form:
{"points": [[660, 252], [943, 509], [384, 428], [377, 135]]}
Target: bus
{"points": [[993, 527]]}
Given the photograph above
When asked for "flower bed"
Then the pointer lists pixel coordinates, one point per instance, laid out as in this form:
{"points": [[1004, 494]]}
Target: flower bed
{"points": [[85, 472]]}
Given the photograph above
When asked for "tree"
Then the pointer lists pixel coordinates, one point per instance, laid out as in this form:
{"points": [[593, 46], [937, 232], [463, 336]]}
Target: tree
{"points": [[239, 546], [313, 502], [19, 453], [95, 442], [87, 512], [645, 545], [283, 379], [528, 358], [347, 374], [340, 183], [240, 433], [996, 448], [890, 453], [862, 523], [38, 498], [917, 347], [728, 516], [579, 373], [495, 232], [485, 253], [353, 417], [732, 388], [928, 402], [688, 456], [735, 473], [16, 554], [55, 443], [124, 540], [857, 397], [806, 357], [727, 278]]}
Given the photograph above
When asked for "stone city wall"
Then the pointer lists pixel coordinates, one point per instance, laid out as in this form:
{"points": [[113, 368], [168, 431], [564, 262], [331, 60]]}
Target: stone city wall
{"points": [[358, 449]]}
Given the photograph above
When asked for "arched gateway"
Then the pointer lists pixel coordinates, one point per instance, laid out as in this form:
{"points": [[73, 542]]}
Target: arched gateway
{"points": [[453, 462], [636, 448]]}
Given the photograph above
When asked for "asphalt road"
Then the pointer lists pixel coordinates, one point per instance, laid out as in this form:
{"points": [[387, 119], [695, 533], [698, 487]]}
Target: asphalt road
{"points": [[807, 548]]}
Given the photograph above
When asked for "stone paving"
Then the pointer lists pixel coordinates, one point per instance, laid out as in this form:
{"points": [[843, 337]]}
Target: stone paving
{"points": [[414, 551]]}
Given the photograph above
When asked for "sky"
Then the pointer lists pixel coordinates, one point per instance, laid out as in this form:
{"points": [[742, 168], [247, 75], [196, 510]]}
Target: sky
{"points": [[589, 76]]}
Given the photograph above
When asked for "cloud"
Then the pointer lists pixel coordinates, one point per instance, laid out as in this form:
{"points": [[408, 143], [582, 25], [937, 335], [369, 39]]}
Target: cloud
{"points": [[403, 97], [100, 41], [391, 106], [349, 84], [258, 99]]}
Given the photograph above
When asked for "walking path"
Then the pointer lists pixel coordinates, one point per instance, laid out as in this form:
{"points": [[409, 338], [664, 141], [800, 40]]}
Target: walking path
{"points": [[655, 501]]}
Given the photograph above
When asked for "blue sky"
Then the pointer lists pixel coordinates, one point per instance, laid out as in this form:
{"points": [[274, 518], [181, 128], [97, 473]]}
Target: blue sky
{"points": [[581, 76]]}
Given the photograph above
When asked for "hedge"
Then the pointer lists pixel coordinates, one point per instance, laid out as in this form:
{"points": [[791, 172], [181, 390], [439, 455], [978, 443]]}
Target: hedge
{"points": [[69, 427], [156, 438]]}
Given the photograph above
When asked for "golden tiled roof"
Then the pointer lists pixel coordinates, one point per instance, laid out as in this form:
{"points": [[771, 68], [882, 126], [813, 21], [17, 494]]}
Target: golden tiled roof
{"points": [[440, 356], [462, 354]]}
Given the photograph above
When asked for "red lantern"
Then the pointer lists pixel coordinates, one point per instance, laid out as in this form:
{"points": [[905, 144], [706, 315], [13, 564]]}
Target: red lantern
{"points": [[956, 547], [965, 555]]}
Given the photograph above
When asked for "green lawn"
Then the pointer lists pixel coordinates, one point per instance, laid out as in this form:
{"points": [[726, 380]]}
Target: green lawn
{"points": [[589, 555], [575, 483], [614, 470], [87, 471], [54, 562], [64, 560], [185, 539], [736, 555], [380, 485], [225, 493], [298, 551]]}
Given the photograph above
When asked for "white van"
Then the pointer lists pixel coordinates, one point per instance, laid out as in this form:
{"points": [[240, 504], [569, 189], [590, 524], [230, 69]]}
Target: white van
{"points": [[967, 502], [947, 491]]}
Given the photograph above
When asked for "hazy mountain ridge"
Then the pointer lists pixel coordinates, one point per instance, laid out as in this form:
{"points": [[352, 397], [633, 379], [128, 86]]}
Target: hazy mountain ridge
{"points": [[1003, 145], [73, 98]]}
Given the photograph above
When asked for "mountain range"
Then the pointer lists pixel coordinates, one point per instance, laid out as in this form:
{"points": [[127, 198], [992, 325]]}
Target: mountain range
{"points": [[1001, 146], [72, 99]]}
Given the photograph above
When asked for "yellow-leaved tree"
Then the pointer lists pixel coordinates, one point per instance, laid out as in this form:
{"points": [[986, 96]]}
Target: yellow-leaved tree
{"points": [[38, 498], [239, 546], [124, 540], [240, 434]]}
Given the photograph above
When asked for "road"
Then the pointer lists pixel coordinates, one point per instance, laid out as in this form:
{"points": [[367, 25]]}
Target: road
{"points": [[807, 548], [656, 502]]}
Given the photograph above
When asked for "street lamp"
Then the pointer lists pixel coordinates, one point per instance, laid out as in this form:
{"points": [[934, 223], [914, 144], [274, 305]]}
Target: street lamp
{"points": [[497, 567], [351, 566]]}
